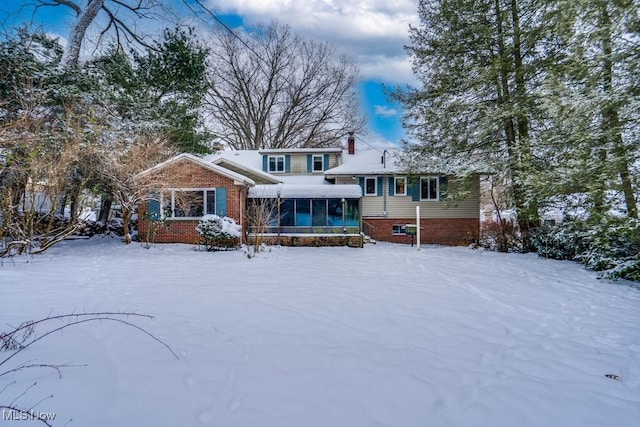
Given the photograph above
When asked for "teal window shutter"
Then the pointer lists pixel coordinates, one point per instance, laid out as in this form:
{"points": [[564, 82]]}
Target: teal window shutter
{"points": [[265, 166], [309, 163], [392, 185], [413, 188], [443, 183], [221, 201], [361, 182], [287, 163], [154, 206], [380, 181], [325, 163]]}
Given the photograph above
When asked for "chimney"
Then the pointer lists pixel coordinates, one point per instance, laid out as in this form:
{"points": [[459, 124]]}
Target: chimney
{"points": [[351, 143]]}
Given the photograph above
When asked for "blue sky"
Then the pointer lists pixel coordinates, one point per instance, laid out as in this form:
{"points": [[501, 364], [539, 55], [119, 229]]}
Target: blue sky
{"points": [[371, 32]]}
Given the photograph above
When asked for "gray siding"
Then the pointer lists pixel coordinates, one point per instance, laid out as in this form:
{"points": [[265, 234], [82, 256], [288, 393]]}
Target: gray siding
{"points": [[299, 163], [404, 207]]}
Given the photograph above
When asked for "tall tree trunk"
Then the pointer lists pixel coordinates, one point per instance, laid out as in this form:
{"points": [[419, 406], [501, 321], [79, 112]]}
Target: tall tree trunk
{"points": [[105, 209], [529, 217], [600, 177], [64, 197], [85, 18], [516, 126], [611, 125], [126, 220], [75, 204]]}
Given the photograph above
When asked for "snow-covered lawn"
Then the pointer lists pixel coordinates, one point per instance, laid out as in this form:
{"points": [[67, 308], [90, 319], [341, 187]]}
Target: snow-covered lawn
{"points": [[380, 336]]}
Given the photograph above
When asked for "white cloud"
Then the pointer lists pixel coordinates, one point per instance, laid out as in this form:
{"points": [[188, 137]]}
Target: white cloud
{"points": [[372, 140], [395, 70], [385, 111], [373, 33]]}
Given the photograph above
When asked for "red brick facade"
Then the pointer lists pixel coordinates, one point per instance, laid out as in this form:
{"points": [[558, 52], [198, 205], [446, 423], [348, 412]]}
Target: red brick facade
{"points": [[187, 174], [445, 231]]}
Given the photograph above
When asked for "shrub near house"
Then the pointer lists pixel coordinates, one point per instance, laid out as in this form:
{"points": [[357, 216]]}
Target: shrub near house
{"points": [[219, 233]]}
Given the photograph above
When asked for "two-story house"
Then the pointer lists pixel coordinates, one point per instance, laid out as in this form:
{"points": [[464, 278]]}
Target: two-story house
{"points": [[315, 196]]}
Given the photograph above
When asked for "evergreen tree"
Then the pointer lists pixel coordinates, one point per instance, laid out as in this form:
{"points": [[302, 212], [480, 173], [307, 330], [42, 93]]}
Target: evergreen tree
{"points": [[594, 107], [481, 63], [158, 91]]}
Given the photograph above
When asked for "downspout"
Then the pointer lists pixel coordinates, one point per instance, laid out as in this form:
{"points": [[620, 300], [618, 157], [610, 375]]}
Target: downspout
{"points": [[244, 189], [279, 225], [384, 193], [344, 215]]}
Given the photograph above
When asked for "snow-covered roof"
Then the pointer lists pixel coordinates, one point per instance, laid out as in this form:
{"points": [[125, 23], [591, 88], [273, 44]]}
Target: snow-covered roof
{"points": [[249, 158], [314, 191], [249, 170], [201, 162], [299, 150], [310, 179], [367, 162]]}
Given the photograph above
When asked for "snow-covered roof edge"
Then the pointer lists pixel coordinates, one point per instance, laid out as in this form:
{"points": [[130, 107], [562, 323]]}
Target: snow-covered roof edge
{"points": [[270, 191], [186, 156], [253, 170], [299, 150]]}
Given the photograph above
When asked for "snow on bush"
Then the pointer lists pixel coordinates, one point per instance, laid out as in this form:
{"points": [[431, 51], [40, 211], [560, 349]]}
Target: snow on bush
{"points": [[611, 245], [500, 235], [219, 233]]}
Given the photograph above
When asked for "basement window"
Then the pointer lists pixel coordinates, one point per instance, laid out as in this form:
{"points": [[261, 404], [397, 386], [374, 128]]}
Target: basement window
{"points": [[399, 229]]}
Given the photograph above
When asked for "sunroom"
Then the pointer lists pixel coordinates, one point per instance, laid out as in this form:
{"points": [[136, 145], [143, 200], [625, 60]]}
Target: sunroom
{"points": [[285, 209]]}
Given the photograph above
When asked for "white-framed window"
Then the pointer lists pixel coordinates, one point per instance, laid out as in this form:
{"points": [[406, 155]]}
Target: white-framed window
{"points": [[370, 186], [318, 162], [429, 188], [188, 203], [275, 163], [399, 229], [400, 186]]}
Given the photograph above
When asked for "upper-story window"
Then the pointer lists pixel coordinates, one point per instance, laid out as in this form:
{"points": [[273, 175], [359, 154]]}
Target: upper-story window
{"points": [[429, 188], [400, 186], [318, 163], [276, 163], [370, 186]]}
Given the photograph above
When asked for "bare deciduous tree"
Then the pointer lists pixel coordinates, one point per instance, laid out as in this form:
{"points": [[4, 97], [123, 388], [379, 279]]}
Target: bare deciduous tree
{"points": [[262, 215], [34, 173], [26, 335], [277, 90], [122, 163], [118, 18]]}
